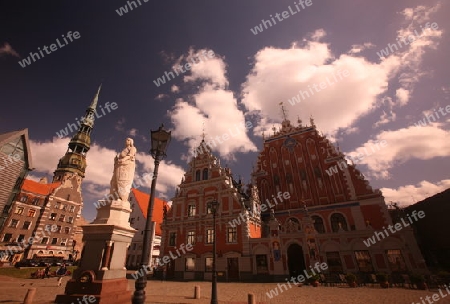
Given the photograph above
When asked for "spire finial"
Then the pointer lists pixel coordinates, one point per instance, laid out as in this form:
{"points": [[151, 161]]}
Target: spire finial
{"points": [[203, 131], [95, 100], [283, 111], [311, 120], [299, 121]]}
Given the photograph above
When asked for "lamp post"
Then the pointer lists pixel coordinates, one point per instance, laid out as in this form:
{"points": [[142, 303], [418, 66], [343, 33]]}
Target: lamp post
{"points": [[214, 205], [160, 140]]}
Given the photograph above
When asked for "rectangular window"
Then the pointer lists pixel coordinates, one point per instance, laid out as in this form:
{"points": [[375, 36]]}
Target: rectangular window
{"points": [[395, 260], [26, 225], [334, 261], [53, 216], [58, 229], [173, 239], [21, 237], [64, 207], [62, 217], [131, 220], [36, 201], [31, 212], [54, 241], [364, 261], [24, 199], [13, 223], [191, 237], [191, 210], [44, 240], [7, 237], [208, 264], [57, 205], [19, 210], [209, 236], [261, 263], [66, 230], [63, 242], [232, 235], [208, 209], [70, 219], [71, 208], [190, 264]]}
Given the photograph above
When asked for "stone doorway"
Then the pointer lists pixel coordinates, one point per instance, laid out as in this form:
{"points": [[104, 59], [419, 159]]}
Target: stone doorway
{"points": [[296, 260]]}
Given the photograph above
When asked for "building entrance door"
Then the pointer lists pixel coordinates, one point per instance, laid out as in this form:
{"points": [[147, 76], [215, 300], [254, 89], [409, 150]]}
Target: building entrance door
{"points": [[170, 269], [233, 269], [296, 261]]}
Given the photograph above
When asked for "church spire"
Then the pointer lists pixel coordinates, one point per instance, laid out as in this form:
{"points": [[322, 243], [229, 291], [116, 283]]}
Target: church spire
{"points": [[74, 161], [95, 100]]}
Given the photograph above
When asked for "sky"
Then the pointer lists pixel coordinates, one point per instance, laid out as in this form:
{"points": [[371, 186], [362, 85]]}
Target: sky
{"points": [[368, 72]]}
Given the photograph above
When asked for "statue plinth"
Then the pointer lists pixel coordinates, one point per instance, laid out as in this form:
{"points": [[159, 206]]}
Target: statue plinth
{"points": [[102, 271]]}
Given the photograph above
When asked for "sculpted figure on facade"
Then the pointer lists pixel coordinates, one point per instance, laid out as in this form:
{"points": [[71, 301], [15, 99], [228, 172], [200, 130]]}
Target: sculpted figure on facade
{"points": [[124, 167]]}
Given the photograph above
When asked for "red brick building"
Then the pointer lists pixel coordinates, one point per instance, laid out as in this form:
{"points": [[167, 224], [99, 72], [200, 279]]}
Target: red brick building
{"points": [[328, 216], [190, 221]]}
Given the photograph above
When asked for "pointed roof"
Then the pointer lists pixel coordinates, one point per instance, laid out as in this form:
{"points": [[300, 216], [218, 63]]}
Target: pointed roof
{"points": [[142, 199], [93, 105], [39, 188]]}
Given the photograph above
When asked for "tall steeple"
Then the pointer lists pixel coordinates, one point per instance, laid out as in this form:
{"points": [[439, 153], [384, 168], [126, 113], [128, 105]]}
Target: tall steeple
{"points": [[74, 161]]}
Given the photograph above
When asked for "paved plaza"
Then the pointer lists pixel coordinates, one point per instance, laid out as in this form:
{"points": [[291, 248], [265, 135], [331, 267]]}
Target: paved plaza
{"points": [[14, 290]]}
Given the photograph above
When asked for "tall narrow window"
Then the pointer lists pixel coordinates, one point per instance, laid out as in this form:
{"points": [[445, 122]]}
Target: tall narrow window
{"points": [[205, 174], [337, 221], [172, 239], [231, 234], [209, 236], [191, 210], [396, 261], [191, 237], [364, 261], [197, 175], [334, 261], [318, 224]]}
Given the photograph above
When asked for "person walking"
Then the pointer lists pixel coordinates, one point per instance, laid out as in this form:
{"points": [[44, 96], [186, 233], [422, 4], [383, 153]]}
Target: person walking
{"points": [[60, 273], [46, 271]]}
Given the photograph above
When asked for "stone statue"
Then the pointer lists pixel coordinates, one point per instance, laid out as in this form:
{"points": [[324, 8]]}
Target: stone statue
{"points": [[124, 167]]}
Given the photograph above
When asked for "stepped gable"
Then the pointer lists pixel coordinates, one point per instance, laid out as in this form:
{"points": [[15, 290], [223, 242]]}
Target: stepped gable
{"points": [[296, 159]]}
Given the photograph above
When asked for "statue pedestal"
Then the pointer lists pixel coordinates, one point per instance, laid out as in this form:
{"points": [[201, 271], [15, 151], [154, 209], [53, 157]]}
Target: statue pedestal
{"points": [[102, 272]]}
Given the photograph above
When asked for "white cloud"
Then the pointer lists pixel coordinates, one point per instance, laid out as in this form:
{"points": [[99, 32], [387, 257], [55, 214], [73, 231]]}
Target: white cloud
{"points": [[409, 194], [405, 144], [212, 108], [402, 96], [6, 49], [212, 70], [279, 75]]}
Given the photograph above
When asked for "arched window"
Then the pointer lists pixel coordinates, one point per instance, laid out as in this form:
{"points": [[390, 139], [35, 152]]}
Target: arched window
{"points": [[318, 224], [197, 175], [205, 174], [336, 219]]}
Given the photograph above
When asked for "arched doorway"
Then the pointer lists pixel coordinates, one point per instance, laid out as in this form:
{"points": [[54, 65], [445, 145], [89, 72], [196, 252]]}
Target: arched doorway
{"points": [[296, 261]]}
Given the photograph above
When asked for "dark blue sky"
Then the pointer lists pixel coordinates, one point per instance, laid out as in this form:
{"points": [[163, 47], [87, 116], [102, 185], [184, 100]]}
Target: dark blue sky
{"points": [[126, 53]]}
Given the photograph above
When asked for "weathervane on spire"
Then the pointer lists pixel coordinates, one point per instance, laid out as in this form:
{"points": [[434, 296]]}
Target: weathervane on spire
{"points": [[283, 111]]}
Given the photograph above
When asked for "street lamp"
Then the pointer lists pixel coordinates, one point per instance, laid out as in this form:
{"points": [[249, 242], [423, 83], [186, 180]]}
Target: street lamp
{"points": [[214, 206], [160, 140]]}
